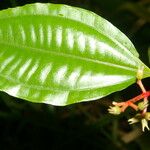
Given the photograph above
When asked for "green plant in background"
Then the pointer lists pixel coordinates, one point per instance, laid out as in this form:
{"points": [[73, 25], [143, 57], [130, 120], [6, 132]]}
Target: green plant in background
{"points": [[60, 55]]}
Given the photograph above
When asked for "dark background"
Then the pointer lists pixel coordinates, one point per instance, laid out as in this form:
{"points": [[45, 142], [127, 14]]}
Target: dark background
{"points": [[85, 126]]}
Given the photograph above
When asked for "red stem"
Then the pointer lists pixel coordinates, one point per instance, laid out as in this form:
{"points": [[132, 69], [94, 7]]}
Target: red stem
{"points": [[141, 96]]}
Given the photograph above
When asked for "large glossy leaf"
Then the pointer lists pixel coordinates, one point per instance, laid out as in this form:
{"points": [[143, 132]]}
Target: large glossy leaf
{"points": [[60, 55]]}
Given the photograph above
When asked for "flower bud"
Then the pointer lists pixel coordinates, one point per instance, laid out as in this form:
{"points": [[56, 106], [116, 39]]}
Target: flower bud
{"points": [[143, 105], [147, 115], [140, 73]]}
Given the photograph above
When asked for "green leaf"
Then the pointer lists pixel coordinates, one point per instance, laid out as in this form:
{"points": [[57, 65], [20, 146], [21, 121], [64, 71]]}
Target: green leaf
{"points": [[60, 55]]}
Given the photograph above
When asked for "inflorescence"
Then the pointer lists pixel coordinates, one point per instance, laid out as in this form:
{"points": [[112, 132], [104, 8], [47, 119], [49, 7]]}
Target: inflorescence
{"points": [[141, 108]]}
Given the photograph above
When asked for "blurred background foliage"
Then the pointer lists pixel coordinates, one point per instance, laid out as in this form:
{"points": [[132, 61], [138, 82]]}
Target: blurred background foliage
{"points": [[25, 125]]}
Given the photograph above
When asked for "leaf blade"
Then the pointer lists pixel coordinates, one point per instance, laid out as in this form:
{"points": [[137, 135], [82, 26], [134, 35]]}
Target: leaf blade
{"points": [[59, 59]]}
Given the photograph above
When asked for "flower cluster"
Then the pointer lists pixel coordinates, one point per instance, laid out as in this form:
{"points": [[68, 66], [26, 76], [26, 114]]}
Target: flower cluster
{"points": [[142, 116], [141, 108]]}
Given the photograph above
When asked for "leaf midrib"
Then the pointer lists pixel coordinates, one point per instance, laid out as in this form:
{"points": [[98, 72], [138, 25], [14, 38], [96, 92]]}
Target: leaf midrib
{"points": [[72, 56]]}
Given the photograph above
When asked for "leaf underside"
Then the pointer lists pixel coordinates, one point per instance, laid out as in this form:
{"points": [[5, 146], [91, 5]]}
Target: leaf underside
{"points": [[60, 55]]}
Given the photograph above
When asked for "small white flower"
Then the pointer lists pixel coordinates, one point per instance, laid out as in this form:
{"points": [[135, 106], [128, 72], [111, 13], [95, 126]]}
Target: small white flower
{"points": [[115, 110], [144, 123], [133, 120]]}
